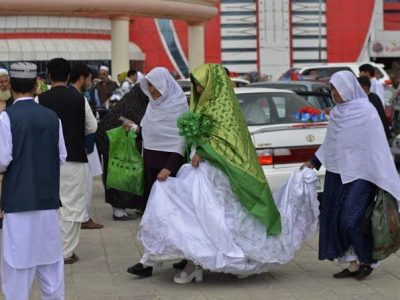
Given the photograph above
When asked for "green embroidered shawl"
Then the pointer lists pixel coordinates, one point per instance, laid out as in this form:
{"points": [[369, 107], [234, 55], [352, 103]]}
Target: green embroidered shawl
{"points": [[229, 146]]}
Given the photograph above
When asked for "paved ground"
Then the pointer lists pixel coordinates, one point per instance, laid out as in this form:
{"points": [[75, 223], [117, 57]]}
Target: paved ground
{"points": [[105, 254]]}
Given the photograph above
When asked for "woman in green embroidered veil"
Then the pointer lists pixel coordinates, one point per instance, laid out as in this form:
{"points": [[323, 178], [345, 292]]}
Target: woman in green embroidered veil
{"points": [[218, 213]]}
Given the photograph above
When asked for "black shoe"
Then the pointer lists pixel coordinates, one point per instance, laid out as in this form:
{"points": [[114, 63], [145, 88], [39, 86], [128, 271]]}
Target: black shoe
{"points": [[345, 273], [363, 272], [180, 265], [124, 218], [140, 270]]}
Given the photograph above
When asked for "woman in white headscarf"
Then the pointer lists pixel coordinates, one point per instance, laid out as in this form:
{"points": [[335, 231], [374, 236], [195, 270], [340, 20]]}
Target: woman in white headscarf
{"points": [[357, 158], [163, 147]]}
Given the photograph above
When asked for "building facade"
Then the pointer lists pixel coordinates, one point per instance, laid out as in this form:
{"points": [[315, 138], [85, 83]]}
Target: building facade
{"points": [[266, 36]]}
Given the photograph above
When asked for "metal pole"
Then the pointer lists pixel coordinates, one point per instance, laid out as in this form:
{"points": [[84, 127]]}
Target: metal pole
{"points": [[320, 31]]}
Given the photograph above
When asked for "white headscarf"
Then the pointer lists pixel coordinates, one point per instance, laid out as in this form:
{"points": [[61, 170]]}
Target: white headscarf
{"points": [[355, 144], [159, 128], [140, 76], [3, 72]]}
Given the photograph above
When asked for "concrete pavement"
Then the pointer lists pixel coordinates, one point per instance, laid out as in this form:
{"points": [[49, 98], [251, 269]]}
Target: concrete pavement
{"points": [[100, 274]]}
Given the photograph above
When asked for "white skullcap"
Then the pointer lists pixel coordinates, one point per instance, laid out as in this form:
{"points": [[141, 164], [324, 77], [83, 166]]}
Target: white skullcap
{"points": [[23, 70], [104, 68], [3, 72]]}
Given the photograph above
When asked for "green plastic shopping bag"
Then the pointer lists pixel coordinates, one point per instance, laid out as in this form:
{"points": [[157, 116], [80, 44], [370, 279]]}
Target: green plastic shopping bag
{"points": [[385, 225], [125, 170]]}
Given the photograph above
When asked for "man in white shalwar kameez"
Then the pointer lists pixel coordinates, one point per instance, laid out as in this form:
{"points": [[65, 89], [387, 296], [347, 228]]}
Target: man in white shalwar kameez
{"points": [[78, 121], [31, 151], [80, 79]]}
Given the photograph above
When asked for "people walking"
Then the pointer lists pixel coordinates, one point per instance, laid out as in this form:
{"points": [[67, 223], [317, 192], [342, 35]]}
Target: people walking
{"points": [[80, 80], [376, 87], [163, 147], [219, 213], [357, 158], [376, 102], [31, 242], [78, 121], [106, 86], [5, 90], [133, 107]]}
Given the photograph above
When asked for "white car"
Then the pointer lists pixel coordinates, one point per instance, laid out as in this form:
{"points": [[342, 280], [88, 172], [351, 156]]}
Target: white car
{"points": [[326, 70], [283, 143]]}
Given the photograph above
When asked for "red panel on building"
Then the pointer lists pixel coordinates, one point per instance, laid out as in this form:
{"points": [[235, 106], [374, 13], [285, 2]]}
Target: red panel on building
{"points": [[391, 15], [144, 33], [348, 24], [213, 40]]}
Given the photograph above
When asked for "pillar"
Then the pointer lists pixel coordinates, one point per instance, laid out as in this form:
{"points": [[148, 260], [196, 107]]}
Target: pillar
{"points": [[196, 45], [119, 45]]}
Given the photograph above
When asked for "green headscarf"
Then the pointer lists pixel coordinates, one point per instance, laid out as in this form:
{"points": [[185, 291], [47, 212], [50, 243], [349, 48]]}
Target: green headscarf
{"points": [[229, 146]]}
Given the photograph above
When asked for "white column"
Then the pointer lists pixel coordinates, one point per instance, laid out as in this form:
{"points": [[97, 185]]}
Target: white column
{"points": [[196, 45], [119, 45]]}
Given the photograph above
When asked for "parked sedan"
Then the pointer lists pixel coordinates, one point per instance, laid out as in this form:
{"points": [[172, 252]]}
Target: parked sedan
{"points": [[282, 142], [327, 70]]}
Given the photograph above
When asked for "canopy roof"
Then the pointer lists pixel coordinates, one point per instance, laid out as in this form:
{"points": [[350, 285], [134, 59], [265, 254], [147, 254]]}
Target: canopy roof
{"points": [[192, 11], [70, 49]]}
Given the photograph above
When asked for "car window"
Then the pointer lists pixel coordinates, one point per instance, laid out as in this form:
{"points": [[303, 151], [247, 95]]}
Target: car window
{"points": [[321, 88], [314, 101], [256, 109], [325, 71], [318, 99], [270, 108], [290, 87], [280, 104]]}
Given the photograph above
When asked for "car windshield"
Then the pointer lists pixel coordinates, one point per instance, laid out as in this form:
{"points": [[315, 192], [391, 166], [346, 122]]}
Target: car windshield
{"points": [[325, 71], [270, 108], [290, 87], [320, 100]]}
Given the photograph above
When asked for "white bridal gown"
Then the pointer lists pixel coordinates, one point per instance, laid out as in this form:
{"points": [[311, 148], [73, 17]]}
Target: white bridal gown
{"points": [[196, 216]]}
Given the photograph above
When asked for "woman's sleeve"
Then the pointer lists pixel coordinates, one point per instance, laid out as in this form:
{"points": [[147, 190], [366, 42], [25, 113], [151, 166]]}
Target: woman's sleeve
{"points": [[174, 163], [315, 161]]}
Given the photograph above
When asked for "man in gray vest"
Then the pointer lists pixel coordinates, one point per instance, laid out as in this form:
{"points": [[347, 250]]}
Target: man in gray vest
{"points": [[31, 151]]}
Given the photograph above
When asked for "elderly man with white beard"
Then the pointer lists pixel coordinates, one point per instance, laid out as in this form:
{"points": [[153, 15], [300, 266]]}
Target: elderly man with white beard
{"points": [[5, 91]]}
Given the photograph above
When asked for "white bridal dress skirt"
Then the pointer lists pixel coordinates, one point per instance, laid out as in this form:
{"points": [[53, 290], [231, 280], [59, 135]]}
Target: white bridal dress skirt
{"points": [[196, 216]]}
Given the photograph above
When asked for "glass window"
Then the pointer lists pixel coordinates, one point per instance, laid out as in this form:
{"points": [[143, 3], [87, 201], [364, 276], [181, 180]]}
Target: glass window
{"points": [[326, 71], [290, 87], [320, 88], [270, 108]]}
